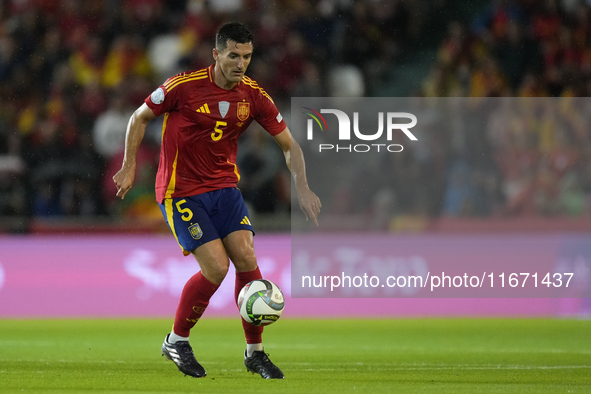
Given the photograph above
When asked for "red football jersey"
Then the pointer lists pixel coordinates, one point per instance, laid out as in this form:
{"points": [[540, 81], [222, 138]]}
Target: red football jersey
{"points": [[202, 123]]}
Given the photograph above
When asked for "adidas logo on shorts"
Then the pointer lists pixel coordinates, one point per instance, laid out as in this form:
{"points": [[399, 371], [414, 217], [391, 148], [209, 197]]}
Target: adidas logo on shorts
{"points": [[246, 221]]}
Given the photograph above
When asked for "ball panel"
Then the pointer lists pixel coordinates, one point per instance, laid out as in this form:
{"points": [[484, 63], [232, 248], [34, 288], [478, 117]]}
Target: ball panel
{"points": [[261, 302], [241, 294]]}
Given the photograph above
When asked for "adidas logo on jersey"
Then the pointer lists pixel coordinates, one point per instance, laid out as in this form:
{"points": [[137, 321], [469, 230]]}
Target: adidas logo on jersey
{"points": [[204, 109], [246, 221]]}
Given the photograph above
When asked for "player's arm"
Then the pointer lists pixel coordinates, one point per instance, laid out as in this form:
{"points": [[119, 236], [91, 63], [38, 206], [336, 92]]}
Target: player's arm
{"points": [[294, 158], [136, 128]]}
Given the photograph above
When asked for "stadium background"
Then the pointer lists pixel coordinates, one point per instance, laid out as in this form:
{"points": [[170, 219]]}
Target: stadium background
{"points": [[72, 72]]}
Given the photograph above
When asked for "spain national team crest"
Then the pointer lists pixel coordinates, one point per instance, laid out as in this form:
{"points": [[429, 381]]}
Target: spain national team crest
{"points": [[195, 231], [243, 111]]}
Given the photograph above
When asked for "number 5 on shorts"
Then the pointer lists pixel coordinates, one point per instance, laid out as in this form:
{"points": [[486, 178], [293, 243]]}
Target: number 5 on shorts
{"points": [[187, 214]]}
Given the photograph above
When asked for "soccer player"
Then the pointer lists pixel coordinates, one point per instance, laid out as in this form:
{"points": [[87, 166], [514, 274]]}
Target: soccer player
{"points": [[205, 112]]}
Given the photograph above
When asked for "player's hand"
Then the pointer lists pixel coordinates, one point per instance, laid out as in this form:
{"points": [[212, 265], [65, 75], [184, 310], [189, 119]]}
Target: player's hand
{"points": [[310, 204], [124, 180]]}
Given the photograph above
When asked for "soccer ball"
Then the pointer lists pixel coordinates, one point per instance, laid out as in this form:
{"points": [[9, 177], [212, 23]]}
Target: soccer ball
{"points": [[261, 302]]}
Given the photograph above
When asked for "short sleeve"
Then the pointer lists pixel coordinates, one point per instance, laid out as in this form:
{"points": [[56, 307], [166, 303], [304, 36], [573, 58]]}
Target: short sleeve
{"points": [[163, 99], [268, 116]]}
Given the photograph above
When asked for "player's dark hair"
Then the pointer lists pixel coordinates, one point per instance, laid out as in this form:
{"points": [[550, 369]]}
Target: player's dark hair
{"points": [[232, 31]]}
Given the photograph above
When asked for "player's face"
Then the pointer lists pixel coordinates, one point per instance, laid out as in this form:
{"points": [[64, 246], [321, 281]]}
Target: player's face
{"points": [[232, 62]]}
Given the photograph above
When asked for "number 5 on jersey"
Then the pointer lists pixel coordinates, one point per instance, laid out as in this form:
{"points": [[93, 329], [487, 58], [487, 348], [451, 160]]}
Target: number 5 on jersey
{"points": [[217, 131]]}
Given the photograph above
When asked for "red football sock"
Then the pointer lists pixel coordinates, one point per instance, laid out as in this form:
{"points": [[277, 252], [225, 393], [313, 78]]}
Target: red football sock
{"points": [[253, 334], [194, 299]]}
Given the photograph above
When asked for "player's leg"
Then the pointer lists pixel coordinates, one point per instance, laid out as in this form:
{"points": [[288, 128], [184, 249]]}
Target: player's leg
{"points": [[190, 224], [237, 232], [240, 248], [214, 263]]}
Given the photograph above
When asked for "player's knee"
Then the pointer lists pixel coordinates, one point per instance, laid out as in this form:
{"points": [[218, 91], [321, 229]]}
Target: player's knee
{"points": [[218, 273], [245, 264]]}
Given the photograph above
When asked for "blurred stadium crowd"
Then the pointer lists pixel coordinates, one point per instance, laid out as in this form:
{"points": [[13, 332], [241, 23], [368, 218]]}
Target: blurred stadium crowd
{"points": [[529, 159], [72, 72]]}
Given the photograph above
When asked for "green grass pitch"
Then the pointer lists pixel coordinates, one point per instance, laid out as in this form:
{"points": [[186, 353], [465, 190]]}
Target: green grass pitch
{"points": [[317, 356]]}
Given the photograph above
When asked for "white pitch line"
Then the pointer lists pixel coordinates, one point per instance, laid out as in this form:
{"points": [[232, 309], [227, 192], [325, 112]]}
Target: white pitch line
{"points": [[474, 368], [387, 366]]}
